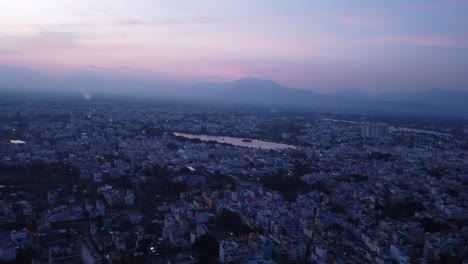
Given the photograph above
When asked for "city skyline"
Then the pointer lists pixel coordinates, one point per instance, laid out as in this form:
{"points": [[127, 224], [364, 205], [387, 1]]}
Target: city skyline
{"points": [[321, 46]]}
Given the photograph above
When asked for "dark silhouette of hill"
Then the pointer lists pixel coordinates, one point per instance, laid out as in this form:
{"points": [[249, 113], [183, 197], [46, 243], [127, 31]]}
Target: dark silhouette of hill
{"points": [[452, 99], [350, 93], [245, 91], [14, 78]]}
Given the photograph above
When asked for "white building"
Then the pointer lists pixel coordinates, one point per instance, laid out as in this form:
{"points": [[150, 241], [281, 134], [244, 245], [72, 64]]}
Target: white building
{"points": [[399, 254], [129, 198], [232, 251], [51, 197], [19, 235], [320, 253], [97, 177], [89, 255], [100, 208], [27, 209]]}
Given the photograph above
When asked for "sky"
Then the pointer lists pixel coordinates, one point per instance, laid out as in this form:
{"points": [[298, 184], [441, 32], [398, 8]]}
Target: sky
{"points": [[320, 45]]}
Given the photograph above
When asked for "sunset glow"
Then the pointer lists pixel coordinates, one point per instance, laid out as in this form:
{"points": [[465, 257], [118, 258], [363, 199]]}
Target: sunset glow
{"points": [[315, 45]]}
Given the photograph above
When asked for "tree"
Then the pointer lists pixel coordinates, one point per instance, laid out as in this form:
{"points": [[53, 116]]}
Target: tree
{"points": [[229, 219], [452, 192], [401, 210], [432, 226], [232, 222], [206, 246], [320, 186], [337, 208], [204, 259]]}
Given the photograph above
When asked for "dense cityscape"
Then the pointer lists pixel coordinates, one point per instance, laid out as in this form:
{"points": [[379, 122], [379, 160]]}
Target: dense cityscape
{"points": [[233, 132], [141, 181]]}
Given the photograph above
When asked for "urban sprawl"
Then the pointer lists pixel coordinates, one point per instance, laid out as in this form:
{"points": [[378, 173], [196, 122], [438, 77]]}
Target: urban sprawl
{"points": [[102, 181]]}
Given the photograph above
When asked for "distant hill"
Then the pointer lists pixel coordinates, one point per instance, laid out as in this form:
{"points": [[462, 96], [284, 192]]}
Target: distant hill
{"points": [[252, 90], [451, 99], [350, 93], [246, 91], [15, 78]]}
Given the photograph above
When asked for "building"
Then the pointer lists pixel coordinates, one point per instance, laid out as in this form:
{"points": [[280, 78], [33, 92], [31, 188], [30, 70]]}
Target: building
{"points": [[51, 197], [7, 252], [97, 177], [19, 235], [129, 197], [374, 130], [320, 252], [113, 198], [230, 250], [89, 255]]}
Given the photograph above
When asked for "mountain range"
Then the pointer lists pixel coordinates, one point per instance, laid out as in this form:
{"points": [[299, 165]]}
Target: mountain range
{"points": [[245, 91]]}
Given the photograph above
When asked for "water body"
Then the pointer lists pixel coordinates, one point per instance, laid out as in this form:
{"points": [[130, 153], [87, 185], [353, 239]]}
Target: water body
{"points": [[339, 121], [242, 142], [16, 141], [424, 131]]}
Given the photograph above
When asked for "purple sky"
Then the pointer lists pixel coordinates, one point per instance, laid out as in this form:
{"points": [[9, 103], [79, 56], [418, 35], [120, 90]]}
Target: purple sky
{"points": [[322, 46]]}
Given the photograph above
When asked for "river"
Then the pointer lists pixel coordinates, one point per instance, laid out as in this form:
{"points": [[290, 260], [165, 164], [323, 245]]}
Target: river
{"points": [[242, 142], [16, 141]]}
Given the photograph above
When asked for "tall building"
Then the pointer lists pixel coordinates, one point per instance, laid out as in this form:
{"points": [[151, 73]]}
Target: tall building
{"points": [[374, 130]]}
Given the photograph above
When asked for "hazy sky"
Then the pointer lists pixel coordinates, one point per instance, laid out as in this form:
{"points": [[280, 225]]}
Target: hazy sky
{"points": [[318, 45]]}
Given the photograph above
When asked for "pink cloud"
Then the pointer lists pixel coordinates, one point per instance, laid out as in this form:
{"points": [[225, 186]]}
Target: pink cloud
{"points": [[417, 41], [360, 21]]}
